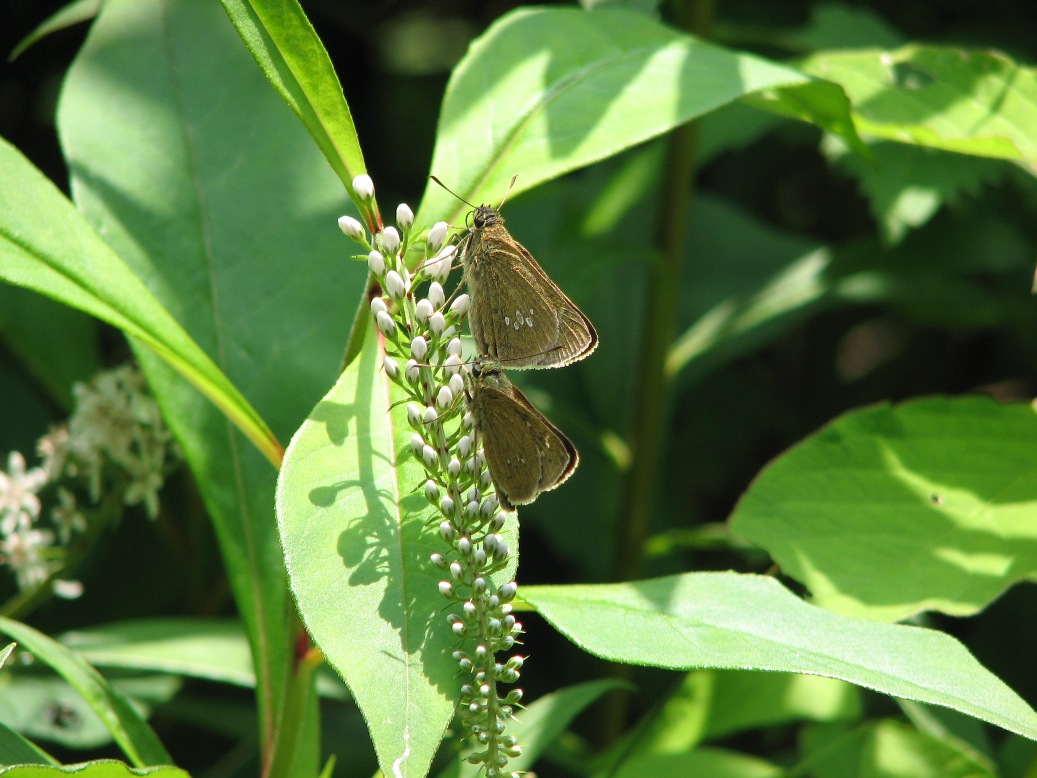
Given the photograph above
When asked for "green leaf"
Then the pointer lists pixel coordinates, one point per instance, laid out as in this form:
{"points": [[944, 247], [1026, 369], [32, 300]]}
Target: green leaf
{"points": [[74, 13], [353, 525], [16, 749], [712, 704], [199, 648], [893, 510], [103, 768], [907, 185], [712, 762], [746, 622], [753, 283], [294, 60], [57, 344], [967, 101], [46, 246], [547, 90], [136, 739], [891, 749], [44, 706], [216, 196]]}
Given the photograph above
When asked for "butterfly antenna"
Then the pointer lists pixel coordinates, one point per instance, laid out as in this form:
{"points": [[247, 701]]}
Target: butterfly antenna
{"points": [[511, 186], [451, 191]]}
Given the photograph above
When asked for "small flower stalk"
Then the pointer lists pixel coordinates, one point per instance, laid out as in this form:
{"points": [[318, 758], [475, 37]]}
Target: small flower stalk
{"points": [[115, 451], [423, 357]]}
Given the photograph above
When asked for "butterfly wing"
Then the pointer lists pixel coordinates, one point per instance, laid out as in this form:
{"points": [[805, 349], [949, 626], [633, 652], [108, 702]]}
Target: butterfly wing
{"points": [[517, 314], [526, 453]]}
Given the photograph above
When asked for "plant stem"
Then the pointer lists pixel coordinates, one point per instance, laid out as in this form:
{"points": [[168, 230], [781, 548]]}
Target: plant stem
{"points": [[646, 435]]}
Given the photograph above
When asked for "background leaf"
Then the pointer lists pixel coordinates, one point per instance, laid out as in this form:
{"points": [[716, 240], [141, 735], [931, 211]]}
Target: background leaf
{"points": [[726, 620], [292, 57], [968, 101], [47, 247], [545, 91], [894, 510], [132, 733], [216, 197]]}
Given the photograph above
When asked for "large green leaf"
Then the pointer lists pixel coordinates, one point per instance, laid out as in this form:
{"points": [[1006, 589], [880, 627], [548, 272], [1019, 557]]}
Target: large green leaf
{"points": [[548, 90], [200, 648], [46, 246], [968, 101], [890, 749], [213, 193], [102, 768], [136, 739], [927, 505], [749, 622], [292, 57], [352, 521]]}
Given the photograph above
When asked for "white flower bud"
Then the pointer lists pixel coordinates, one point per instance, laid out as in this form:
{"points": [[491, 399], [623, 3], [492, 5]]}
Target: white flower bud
{"points": [[439, 266], [414, 412], [430, 416], [488, 506], [394, 285], [378, 304], [351, 228], [497, 522], [454, 467], [436, 236], [490, 543], [419, 347], [404, 216], [445, 397], [456, 382], [385, 323], [431, 490], [392, 367], [469, 609], [458, 628], [436, 295], [423, 309], [464, 546], [417, 443], [446, 531], [363, 186], [446, 505], [437, 323], [452, 365], [390, 240], [412, 370], [467, 420], [464, 445], [446, 588], [502, 551], [460, 304], [479, 557], [376, 263], [428, 454], [438, 560], [473, 495], [507, 591], [472, 508], [454, 347], [456, 571]]}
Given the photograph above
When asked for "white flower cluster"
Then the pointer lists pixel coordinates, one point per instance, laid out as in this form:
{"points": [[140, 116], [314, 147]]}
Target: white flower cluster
{"points": [[114, 441], [423, 358]]}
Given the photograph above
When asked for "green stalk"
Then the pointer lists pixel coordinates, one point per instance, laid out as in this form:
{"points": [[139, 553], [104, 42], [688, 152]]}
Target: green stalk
{"points": [[646, 435]]}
